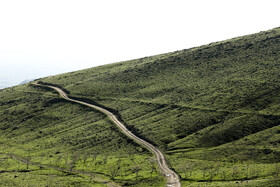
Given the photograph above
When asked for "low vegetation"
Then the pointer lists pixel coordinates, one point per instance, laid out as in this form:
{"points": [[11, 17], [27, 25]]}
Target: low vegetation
{"points": [[213, 110]]}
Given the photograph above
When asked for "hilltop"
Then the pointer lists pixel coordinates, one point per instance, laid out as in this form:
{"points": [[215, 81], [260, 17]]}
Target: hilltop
{"points": [[213, 110]]}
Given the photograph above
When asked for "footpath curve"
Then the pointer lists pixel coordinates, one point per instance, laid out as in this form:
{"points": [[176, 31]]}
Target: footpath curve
{"points": [[171, 177]]}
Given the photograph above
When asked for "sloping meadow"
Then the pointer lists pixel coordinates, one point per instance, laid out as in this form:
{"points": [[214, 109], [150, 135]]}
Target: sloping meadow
{"points": [[195, 99], [40, 128], [214, 110]]}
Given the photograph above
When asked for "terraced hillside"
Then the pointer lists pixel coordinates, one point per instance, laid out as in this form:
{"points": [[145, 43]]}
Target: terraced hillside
{"points": [[213, 110]]}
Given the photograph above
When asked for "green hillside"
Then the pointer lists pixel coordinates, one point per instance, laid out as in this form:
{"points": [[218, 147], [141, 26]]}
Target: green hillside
{"points": [[214, 110]]}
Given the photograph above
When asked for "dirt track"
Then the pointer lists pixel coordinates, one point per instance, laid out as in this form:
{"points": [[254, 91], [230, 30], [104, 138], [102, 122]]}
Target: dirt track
{"points": [[171, 177]]}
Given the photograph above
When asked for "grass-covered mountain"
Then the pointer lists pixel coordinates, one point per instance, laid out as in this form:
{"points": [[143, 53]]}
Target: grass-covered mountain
{"points": [[214, 110]]}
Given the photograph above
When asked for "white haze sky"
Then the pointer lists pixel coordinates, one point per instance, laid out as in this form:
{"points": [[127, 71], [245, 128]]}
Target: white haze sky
{"points": [[46, 37]]}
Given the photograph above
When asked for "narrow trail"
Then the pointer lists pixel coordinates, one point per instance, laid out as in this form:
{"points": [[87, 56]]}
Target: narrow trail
{"points": [[171, 177]]}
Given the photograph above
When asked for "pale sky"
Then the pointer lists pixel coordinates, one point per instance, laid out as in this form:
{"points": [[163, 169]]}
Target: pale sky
{"points": [[46, 37]]}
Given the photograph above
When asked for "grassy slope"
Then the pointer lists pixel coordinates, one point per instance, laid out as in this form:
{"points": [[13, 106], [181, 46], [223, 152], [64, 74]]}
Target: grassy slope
{"points": [[50, 131], [214, 106]]}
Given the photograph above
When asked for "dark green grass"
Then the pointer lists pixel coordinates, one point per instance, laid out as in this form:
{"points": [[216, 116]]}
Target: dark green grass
{"points": [[227, 75]]}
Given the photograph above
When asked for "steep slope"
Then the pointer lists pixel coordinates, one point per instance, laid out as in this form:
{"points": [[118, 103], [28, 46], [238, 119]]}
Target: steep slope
{"points": [[225, 75], [203, 86], [197, 98], [214, 110]]}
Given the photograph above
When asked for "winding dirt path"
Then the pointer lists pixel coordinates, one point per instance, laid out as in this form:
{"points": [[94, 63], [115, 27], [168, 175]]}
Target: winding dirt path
{"points": [[171, 177]]}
